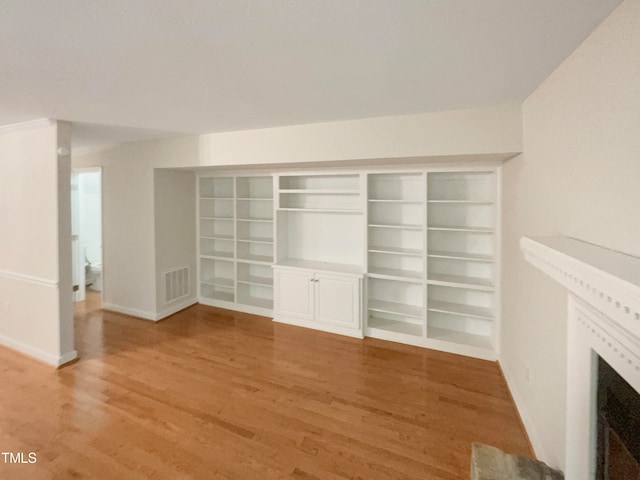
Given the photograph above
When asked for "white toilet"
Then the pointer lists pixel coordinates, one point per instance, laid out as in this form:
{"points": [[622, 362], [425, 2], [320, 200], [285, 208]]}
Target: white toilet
{"points": [[96, 272]]}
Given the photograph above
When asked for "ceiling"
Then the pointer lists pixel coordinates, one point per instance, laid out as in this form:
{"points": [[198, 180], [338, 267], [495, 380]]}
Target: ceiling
{"points": [[125, 70]]}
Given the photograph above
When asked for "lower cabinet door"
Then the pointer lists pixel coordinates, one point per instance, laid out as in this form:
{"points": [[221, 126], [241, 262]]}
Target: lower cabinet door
{"points": [[293, 293], [337, 300]]}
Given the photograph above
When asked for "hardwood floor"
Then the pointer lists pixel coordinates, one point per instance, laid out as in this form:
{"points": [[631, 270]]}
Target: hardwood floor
{"points": [[213, 394]]}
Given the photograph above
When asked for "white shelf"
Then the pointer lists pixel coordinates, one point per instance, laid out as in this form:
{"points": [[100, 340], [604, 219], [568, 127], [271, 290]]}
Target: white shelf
{"points": [[407, 202], [203, 197], [318, 191], [256, 240], [218, 282], [460, 338], [397, 308], [459, 309], [395, 273], [218, 255], [460, 281], [320, 210], [462, 202], [396, 251], [322, 266], [257, 220], [256, 301], [254, 280], [264, 259], [217, 218], [256, 199], [404, 227], [223, 296], [217, 237], [460, 228], [396, 326], [476, 257]]}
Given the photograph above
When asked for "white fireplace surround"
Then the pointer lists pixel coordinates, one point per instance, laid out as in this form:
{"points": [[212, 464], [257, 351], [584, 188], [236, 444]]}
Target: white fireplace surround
{"points": [[604, 320]]}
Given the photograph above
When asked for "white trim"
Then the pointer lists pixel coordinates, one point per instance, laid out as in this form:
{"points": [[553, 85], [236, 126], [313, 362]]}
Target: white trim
{"points": [[176, 308], [38, 123], [67, 357], [350, 332], [36, 352], [529, 425], [130, 311], [153, 316], [601, 277], [603, 320], [30, 279], [237, 307]]}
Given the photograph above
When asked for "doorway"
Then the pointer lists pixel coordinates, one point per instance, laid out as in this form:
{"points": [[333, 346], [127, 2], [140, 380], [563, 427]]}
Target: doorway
{"points": [[86, 235]]}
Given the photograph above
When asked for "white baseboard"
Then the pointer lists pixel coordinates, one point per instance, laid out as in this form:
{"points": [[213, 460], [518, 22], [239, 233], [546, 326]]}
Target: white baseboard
{"points": [[153, 316], [67, 357], [237, 307], [518, 398], [36, 353], [130, 311], [175, 308]]}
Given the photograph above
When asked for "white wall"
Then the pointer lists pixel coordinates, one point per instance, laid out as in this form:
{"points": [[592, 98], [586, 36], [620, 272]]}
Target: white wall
{"points": [[129, 256], [579, 176], [175, 232], [459, 132], [132, 261], [90, 200], [35, 244]]}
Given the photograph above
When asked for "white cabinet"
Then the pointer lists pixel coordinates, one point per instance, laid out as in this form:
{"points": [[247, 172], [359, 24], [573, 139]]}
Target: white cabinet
{"points": [[294, 294], [322, 300], [337, 300]]}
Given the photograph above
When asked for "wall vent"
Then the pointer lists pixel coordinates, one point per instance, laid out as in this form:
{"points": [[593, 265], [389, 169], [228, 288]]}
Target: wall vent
{"points": [[176, 284]]}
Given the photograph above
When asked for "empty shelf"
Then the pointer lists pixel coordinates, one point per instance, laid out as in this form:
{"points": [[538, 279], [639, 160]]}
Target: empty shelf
{"points": [[256, 301], [389, 225], [460, 281], [221, 282], [397, 308], [217, 255], [256, 258], [459, 309], [395, 272], [396, 250], [256, 240], [461, 228], [396, 326], [217, 237], [460, 338], [321, 210], [460, 256], [253, 280]]}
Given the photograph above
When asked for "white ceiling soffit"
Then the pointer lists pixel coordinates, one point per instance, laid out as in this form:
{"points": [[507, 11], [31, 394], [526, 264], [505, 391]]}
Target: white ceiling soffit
{"points": [[194, 66]]}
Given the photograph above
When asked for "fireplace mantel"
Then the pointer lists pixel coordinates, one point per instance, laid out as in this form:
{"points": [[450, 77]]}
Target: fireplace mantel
{"points": [[608, 281], [604, 321]]}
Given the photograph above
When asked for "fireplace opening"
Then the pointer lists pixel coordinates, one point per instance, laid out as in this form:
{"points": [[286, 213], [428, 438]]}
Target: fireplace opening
{"points": [[618, 421]]}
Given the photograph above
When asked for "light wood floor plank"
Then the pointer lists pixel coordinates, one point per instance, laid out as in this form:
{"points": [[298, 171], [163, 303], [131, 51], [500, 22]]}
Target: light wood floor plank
{"points": [[213, 394]]}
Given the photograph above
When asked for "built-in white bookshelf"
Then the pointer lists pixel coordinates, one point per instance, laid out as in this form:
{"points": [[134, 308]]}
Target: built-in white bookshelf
{"points": [[319, 269], [395, 255], [409, 255], [431, 249], [461, 266], [320, 219], [236, 242]]}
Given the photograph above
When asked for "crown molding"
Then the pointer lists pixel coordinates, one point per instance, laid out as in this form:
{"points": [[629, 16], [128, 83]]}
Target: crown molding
{"points": [[39, 123]]}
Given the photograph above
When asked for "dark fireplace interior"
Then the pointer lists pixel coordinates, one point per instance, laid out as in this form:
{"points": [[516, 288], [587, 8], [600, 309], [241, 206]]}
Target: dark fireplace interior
{"points": [[618, 453]]}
